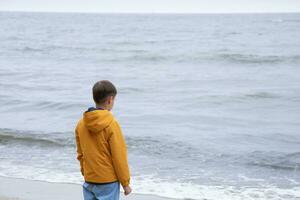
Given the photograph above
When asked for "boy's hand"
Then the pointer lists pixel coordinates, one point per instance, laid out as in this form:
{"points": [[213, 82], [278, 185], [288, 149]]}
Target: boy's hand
{"points": [[127, 190]]}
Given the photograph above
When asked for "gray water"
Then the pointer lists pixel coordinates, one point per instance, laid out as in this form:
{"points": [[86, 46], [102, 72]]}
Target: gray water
{"points": [[209, 104]]}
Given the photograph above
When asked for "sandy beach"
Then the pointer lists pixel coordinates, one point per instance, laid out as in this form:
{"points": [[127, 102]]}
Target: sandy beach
{"points": [[21, 189]]}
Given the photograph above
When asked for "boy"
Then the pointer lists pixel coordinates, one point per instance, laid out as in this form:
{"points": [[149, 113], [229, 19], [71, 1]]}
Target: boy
{"points": [[101, 148]]}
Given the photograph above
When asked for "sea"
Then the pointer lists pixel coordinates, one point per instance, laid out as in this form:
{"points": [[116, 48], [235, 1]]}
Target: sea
{"points": [[209, 104]]}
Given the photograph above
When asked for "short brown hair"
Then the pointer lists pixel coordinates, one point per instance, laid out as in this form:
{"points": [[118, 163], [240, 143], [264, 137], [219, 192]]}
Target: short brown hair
{"points": [[103, 89]]}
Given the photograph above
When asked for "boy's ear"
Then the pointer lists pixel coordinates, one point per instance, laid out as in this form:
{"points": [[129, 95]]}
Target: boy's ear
{"points": [[110, 99]]}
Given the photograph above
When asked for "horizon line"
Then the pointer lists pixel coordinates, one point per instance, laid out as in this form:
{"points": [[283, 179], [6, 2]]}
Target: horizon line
{"points": [[184, 13]]}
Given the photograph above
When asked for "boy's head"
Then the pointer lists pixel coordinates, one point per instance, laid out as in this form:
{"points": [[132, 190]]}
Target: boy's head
{"points": [[104, 93]]}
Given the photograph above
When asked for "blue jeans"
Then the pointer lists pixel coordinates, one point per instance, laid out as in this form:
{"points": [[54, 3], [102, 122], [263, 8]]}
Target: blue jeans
{"points": [[110, 191]]}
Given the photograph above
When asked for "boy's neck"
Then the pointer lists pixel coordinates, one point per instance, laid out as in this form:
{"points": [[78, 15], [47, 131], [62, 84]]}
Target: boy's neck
{"points": [[101, 107]]}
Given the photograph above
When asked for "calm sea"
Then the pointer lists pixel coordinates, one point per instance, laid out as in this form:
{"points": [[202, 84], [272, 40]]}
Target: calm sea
{"points": [[209, 104]]}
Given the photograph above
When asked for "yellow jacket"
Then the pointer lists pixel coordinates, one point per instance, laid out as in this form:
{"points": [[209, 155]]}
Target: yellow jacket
{"points": [[101, 148]]}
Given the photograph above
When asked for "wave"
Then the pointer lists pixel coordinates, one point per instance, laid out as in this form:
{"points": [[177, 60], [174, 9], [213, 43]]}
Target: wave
{"points": [[46, 48], [160, 148], [279, 20], [261, 95], [164, 148], [146, 145], [204, 57], [190, 191], [138, 54], [31, 49], [128, 90], [255, 58], [275, 160], [57, 105], [8, 136], [153, 185], [222, 99], [256, 95], [38, 105]]}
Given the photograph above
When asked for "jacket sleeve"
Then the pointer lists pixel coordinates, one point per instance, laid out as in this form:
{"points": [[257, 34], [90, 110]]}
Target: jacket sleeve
{"points": [[79, 152], [119, 154]]}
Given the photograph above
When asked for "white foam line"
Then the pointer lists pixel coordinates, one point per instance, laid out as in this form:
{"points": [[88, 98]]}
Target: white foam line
{"points": [[200, 192]]}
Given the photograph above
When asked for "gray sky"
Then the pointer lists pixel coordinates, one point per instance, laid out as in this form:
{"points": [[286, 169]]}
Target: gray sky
{"points": [[140, 6]]}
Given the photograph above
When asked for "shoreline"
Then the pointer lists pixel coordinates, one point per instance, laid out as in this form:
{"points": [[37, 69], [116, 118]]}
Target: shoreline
{"points": [[23, 189]]}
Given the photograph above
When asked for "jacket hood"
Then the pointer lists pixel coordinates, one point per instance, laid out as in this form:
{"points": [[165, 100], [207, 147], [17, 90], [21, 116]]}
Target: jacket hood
{"points": [[97, 119]]}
